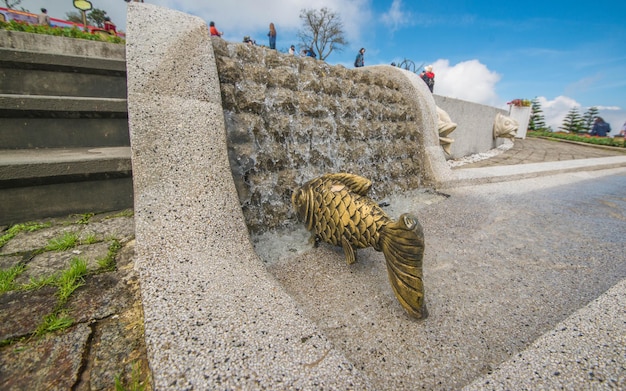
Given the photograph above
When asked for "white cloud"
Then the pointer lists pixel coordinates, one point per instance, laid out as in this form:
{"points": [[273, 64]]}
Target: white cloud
{"points": [[467, 80], [236, 18], [609, 108], [395, 17], [555, 110], [252, 17]]}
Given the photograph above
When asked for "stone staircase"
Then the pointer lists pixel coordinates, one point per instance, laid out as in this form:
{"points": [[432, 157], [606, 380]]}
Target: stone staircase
{"points": [[64, 143]]}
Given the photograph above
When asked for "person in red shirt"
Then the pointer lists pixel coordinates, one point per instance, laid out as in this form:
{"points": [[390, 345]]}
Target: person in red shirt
{"points": [[213, 30], [429, 77], [109, 27]]}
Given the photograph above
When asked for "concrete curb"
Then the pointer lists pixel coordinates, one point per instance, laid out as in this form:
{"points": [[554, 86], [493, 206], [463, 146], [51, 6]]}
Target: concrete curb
{"points": [[587, 348], [606, 147], [475, 176]]}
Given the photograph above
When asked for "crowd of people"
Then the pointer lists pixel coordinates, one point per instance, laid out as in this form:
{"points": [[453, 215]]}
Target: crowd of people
{"points": [[427, 75], [272, 35]]}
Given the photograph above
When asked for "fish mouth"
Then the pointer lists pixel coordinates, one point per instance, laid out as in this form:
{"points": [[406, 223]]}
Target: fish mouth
{"points": [[302, 200]]}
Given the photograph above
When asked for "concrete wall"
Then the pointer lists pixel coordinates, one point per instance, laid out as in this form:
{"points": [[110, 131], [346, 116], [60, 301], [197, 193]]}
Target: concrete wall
{"points": [[474, 132], [60, 45]]}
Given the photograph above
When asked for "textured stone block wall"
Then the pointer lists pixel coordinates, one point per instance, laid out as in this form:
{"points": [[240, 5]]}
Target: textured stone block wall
{"points": [[289, 119]]}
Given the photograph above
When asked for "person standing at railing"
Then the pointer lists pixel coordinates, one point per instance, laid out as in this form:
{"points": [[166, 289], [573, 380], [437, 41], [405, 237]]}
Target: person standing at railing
{"points": [[43, 19], [272, 35], [109, 26]]}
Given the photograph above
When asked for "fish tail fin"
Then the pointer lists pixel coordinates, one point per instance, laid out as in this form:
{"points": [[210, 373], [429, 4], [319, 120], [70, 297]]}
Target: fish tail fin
{"points": [[402, 243]]}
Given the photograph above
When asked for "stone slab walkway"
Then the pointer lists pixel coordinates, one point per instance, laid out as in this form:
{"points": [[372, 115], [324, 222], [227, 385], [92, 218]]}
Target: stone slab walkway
{"points": [[70, 309]]}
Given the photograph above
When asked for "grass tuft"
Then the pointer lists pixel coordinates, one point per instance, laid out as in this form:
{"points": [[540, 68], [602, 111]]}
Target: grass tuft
{"points": [[8, 276], [38, 283], [90, 239], [124, 213], [71, 279], [108, 263], [66, 241], [54, 322], [84, 218], [136, 382], [17, 228]]}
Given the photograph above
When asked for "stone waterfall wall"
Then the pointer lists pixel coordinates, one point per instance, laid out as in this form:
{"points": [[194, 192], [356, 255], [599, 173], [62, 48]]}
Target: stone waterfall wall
{"points": [[289, 119]]}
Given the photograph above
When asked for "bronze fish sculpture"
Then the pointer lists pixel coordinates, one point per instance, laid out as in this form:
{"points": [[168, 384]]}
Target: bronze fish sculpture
{"points": [[336, 210]]}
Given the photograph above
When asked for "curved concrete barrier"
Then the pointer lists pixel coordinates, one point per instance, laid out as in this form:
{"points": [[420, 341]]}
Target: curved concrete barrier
{"points": [[214, 317], [436, 169]]}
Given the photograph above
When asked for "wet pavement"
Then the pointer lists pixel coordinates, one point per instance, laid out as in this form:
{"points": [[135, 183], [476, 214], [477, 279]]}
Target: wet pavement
{"points": [[70, 308]]}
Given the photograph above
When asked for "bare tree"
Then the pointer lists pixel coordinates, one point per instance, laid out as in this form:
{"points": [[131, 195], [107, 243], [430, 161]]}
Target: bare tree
{"points": [[12, 3], [322, 31], [74, 17]]}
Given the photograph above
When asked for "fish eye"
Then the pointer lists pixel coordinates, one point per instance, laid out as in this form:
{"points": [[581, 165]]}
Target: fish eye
{"points": [[409, 221]]}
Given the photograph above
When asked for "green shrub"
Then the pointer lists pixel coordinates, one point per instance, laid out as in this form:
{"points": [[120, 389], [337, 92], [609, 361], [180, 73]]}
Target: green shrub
{"points": [[70, 32], [609, 141]]}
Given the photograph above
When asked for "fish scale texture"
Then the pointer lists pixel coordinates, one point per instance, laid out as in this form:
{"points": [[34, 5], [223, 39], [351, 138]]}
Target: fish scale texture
{"points": [[342, 213]]}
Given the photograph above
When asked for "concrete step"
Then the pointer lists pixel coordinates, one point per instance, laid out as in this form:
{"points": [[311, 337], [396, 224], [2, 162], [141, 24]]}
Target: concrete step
{"points": [[64, 142], [38, 183], [12, 104], [35, 121], [22, 133], [32, 73]]}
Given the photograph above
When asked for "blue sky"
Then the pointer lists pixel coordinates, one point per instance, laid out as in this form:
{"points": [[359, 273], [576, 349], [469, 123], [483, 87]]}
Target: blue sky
{"points": [[566, 53]]}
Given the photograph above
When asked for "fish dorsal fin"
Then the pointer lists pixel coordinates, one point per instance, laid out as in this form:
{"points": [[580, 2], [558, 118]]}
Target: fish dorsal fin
{"points": [[356, 184], [348, 250]]}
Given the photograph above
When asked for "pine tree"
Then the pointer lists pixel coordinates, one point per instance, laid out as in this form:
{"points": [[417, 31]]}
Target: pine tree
{"points": [[573, 122], [537, 121], [590, 115]]}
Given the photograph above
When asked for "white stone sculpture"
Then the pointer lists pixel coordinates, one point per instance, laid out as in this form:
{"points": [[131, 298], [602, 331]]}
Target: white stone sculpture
{"points": [[445, 126], [505, 127]]}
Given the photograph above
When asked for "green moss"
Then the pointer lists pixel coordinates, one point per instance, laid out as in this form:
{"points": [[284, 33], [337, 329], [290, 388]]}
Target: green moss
{"points": [[108, 263], [124, 213]]}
